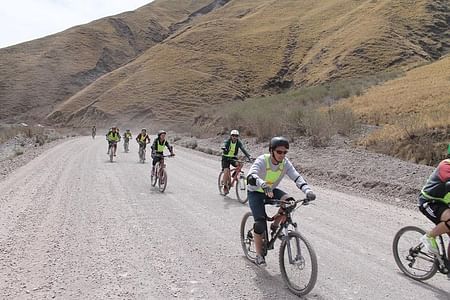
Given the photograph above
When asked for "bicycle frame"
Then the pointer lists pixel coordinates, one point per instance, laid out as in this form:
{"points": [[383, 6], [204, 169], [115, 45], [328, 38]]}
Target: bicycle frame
{"points": [[443, 261], [283, 227]]}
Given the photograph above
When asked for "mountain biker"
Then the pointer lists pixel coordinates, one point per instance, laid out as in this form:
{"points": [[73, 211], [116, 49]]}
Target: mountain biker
{"points": [[230, 149], [113, 137], [93, 131], [434, 203], [142, 138], [126, 137], [158, 148], [263, 178]]}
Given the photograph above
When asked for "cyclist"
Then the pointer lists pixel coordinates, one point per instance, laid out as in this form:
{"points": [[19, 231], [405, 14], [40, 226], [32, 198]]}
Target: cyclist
{"points": [[113, 137], [93, 131], [158, 148], [434, 203], [263, 178], [230, 151], [126, 137], [143, 139]]}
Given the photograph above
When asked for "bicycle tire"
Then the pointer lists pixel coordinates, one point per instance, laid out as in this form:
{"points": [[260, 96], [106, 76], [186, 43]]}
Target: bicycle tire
{"points": [[162, 186], [413, 255], [305, 247], [111, 153], [246, 233], [241, 192], [220, 183], [154, 178]]}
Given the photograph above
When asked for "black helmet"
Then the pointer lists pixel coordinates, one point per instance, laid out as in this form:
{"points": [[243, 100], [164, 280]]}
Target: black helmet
{"points": [[161, 132], [278, 141]]}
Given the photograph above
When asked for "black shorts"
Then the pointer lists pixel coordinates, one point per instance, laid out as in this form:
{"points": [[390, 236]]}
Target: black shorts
{"points": [[227, 161], [433, 210]]}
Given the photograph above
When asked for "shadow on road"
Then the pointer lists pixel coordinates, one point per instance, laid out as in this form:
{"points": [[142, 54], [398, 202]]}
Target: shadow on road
{"points": [[439, 293]]}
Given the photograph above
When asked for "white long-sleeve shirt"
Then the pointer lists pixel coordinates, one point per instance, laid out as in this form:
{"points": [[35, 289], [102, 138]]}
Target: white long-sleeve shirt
{"points": [[258, 171]]}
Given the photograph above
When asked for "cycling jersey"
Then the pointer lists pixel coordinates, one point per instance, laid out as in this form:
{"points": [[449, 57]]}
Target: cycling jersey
{"points": [[159, 147], [435, 189], [143, 138], [231, 149]]}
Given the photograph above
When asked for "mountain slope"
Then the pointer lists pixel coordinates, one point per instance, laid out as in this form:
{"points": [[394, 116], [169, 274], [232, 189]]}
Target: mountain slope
{"points": [[257, 47], [36, 75]]}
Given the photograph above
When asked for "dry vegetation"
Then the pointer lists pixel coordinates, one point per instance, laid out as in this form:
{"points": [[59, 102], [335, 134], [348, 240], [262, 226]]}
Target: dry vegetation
{"points": [[413, 112]]}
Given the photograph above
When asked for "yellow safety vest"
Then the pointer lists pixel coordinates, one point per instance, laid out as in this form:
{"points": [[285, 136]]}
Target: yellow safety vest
{"points": [[271, 176], [232, 150], [159, 147]]}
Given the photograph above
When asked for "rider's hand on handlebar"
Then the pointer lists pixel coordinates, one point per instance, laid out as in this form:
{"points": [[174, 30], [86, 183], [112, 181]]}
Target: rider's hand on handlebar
{"points": [[267, 189], [310, 195]]}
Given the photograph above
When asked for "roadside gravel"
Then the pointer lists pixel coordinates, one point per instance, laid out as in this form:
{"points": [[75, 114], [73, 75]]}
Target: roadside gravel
{"points": [[342, 167]]}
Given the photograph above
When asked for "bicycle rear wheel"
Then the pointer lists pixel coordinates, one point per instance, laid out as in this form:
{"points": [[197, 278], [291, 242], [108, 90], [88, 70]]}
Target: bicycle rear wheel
{"points": [[220, 183], [154, 178], [162, 180], [247, 233], [241, 189], [410, 255], [298, 264]]}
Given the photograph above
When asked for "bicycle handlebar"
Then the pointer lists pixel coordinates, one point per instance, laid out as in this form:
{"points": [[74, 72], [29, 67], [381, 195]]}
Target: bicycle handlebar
{"points": [[289, 203]]}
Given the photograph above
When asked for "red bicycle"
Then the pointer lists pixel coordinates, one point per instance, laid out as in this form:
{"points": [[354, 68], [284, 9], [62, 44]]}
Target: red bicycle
{"points": [[238, 180]]}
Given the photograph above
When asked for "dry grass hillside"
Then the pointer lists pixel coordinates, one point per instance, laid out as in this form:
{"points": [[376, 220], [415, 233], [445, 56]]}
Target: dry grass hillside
{"points": [[261, 47], [35, 76], [413, 113]]}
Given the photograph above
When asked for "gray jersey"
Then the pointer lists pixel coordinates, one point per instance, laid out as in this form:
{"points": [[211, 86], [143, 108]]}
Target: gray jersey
{"points": [[258, 171]]}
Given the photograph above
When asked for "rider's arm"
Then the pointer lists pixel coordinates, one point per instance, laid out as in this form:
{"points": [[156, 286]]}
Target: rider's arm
{"points": [[241, 145], [169, 147], [226, 146], [296, 177], [257, 170]]}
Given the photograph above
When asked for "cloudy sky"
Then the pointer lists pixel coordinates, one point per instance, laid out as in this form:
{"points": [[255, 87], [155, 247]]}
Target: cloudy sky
{"points": [[24, 20]]}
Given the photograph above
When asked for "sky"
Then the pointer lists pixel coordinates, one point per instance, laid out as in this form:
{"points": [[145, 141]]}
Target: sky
{"points": [[24, 20]]}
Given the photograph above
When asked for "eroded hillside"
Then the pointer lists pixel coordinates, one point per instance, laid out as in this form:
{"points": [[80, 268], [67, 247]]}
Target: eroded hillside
{"points": [[259, 47]]}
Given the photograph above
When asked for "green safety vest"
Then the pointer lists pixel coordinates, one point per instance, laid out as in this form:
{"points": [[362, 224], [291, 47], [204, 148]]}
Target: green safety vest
{"points": [[113, 136], [159, 147], [271, 176], [232, 150], [446, 198], [143, 138]]}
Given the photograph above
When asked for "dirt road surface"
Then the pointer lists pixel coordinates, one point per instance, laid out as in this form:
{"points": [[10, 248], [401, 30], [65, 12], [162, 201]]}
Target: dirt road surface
{"points": [[75, 226]]}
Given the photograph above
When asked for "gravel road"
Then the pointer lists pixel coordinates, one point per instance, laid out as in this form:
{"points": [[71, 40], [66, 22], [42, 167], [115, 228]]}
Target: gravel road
{"points": [[75, 226]]}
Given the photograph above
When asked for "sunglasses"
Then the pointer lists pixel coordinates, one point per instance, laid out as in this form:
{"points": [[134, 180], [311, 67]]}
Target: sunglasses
{"points": [[235, 135], [281, 152]]}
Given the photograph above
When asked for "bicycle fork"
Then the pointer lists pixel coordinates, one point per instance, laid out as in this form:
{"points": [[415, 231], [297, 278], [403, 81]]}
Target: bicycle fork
{"points": [[298, 259]]}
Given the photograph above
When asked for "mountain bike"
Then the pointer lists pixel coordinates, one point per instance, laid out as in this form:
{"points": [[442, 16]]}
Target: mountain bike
{"points": [[112, 147], [412, 257], [141, 152], [160, 174], [237, 179], [126, 145], [297, 258]]}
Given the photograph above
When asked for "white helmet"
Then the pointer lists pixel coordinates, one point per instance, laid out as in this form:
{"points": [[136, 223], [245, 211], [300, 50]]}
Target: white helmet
{"points": [[234, 132]]}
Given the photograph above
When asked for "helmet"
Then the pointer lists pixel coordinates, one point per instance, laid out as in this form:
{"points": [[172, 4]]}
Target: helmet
{"points": [[161, 132], [114, 127], [234, 132], [278, 141], [144, 129]]}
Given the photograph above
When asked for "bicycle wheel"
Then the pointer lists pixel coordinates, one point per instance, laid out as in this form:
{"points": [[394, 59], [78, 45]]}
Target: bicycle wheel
{"points": [[298, 264], [247, 242], [154, 178], [111, 153], [162, 180], [410, 255], [241, 189], [220, 183]]}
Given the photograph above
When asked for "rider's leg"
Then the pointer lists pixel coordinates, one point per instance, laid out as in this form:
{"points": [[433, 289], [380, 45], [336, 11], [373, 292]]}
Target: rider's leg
{"points": [[443, 226], [115, 148], [155, 160], [279, 194], [256, 203]]}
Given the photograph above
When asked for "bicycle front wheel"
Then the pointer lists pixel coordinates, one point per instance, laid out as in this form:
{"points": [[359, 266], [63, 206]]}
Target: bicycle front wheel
{"points": [[154, 177], [247, 234], [111, 153], [162, 180], [241, 189], [298, 264], [410, 255], [220, 183]]}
